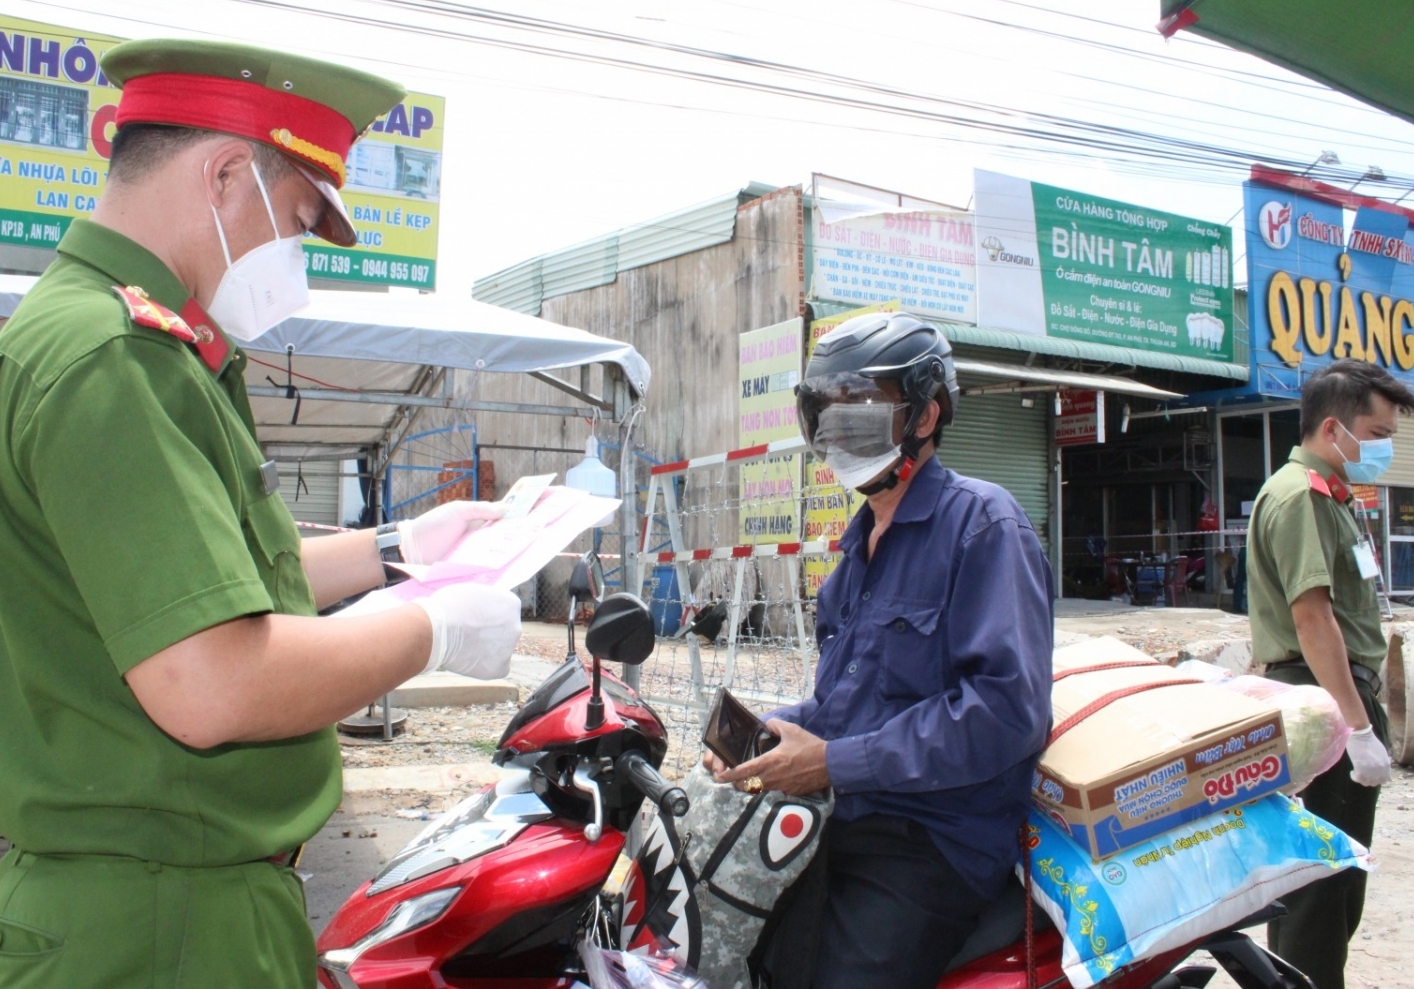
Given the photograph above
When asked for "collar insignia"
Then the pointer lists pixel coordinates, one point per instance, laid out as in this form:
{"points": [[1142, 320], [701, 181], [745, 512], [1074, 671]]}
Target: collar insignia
{"points": [[144, 312]]}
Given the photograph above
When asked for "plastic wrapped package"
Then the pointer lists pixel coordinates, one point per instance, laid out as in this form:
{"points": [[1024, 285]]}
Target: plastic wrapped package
{"points": [[610, 969], [1311, 719], [1315, 730]]}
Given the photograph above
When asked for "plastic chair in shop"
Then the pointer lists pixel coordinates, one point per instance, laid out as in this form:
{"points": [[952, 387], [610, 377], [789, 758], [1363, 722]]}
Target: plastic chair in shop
{"points": [[1116, 580], [1176, 579]]}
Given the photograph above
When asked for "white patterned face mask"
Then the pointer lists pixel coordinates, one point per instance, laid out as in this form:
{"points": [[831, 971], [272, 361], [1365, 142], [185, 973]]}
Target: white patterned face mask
{"points": [[856, 439], [263, 286]]}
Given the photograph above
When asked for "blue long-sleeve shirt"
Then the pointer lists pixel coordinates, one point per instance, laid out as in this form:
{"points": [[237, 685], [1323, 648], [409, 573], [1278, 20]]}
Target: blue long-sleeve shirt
{"points": [[933, 690]]}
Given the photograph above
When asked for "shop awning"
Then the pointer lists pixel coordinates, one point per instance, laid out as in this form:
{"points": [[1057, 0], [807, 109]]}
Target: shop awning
{"points": [[1347, 45], [1012, 377], [1100, 353]]}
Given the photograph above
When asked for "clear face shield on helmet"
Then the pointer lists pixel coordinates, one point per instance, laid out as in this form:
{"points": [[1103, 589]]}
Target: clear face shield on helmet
{"points": [[852, 423]]}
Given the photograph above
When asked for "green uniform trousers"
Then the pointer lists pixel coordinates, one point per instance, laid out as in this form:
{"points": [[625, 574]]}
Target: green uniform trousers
{"points": [[1322, 918], [108, 922]]}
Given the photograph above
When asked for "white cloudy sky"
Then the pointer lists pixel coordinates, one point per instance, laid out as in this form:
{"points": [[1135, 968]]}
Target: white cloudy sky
{"points": [[557, 133]]}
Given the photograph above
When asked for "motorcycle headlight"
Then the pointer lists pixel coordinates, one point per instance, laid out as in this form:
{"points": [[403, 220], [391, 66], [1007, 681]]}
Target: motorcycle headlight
{"points": [[406, 916]]}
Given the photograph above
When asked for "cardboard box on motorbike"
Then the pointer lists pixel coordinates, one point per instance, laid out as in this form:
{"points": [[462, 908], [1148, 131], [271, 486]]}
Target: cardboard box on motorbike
{"points": [[1151, 751]]}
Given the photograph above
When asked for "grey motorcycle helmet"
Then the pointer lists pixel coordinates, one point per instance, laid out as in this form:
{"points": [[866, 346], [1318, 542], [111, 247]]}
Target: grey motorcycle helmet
{"points": [[851, 360]]}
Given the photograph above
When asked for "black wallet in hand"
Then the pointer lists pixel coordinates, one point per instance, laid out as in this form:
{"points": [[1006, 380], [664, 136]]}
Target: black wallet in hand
{"points": [[733, 733]]}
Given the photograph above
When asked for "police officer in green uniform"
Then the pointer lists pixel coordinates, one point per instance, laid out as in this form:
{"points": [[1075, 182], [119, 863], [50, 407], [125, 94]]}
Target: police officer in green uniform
{"points": [[167, 693], [1316, 620]]}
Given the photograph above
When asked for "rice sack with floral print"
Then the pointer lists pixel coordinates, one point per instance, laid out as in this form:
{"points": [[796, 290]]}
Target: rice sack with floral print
{"points": [[1182, 885]]}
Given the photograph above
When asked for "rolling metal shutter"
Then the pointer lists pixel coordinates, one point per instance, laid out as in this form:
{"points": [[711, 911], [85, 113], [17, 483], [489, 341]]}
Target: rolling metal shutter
{"points": [[994, 438], [1401, 472], [318, 499]]}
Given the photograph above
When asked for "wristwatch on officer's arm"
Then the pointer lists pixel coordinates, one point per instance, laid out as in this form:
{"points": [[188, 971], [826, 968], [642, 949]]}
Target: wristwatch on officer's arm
{"points": [[390, 547]]}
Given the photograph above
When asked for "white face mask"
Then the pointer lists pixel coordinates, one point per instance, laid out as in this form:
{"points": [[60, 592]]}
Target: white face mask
{"points": [[855, 472], [264, 286]]}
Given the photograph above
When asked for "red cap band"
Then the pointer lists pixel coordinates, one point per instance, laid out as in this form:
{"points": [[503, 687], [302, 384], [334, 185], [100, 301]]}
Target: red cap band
{"points": [[303, 128]]}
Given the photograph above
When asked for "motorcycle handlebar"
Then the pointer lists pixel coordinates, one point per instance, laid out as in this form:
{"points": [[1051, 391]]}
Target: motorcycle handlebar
{"points": [[670, 799]]}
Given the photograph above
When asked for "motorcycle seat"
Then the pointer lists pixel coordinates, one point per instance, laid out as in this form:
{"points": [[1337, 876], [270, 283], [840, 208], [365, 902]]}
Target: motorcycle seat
{"points": [[1001, 925]]}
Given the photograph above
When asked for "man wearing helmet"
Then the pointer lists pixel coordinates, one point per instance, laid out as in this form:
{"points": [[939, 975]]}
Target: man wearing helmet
{"points": [[932, 694]]}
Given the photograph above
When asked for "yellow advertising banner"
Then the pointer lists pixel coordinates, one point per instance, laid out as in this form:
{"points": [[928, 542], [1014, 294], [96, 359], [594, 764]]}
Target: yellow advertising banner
{"points": [[769, 366], [828, 505], [56, 130]]}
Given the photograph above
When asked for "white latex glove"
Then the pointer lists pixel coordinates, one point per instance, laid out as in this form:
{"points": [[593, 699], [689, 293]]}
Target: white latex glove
{"points": [[1369, 758], [474, 629], [432, 535]]}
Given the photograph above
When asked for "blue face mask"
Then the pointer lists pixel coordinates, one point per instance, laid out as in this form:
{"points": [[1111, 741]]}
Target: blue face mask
{"points": [[1375, 458]]}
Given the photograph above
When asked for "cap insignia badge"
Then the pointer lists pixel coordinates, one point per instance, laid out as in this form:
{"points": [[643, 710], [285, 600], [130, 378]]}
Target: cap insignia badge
{"points": [[305, 149]]}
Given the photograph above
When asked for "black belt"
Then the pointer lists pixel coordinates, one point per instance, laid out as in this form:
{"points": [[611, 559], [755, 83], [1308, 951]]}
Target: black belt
{"points": [[1357, 671]]}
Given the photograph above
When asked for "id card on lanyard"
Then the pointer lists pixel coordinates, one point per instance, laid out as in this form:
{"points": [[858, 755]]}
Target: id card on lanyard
{"points": [[1367, 560], [1364, 555]]}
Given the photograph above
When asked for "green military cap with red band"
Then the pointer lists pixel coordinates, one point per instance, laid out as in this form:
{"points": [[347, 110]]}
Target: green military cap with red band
{"points": [[311, 110]]}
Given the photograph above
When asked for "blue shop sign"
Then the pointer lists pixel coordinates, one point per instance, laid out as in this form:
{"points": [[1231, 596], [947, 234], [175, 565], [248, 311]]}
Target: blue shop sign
{"points": [[1316, 294]]}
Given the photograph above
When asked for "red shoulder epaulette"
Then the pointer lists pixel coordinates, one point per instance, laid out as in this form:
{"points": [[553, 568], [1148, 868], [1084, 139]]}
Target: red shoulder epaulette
{"points": [[1318, 483], [144, 312]]}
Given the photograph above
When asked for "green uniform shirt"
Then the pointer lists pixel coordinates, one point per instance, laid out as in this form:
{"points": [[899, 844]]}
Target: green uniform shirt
{"points": [[1300, 539], [133, 515]]}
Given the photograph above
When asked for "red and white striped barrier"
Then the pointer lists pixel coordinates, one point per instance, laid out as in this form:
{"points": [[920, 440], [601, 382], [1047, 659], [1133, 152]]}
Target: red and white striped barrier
{"points": [[746, 455], [743, 552]]}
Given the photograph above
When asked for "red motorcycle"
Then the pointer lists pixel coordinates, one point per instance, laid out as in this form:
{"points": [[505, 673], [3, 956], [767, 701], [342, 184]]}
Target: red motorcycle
{"points": [[501, 891]]}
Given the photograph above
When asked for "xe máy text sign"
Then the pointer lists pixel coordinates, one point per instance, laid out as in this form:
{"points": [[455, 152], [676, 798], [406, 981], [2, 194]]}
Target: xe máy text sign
{"points": [[1060, 263], [769, 370], [57, 113], [1318, 293]]}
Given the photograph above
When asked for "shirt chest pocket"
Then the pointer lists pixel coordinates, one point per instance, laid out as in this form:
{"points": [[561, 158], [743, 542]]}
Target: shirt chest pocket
{"points": [[907, 633], [274, 544]]}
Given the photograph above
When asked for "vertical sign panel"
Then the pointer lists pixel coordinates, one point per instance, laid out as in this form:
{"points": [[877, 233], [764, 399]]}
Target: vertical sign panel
{"points": [[769, 371]]}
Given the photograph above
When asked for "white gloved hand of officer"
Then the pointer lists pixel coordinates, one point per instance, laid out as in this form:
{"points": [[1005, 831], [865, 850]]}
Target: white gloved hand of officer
{"points": [[474, 629], [432, 535], [1369, 758]]}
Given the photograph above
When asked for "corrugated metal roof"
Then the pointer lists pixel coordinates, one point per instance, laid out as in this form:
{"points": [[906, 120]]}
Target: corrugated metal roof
{"points": [[580, 267], [1082, 350], [518, 287], [523, 287], [683, 232]]}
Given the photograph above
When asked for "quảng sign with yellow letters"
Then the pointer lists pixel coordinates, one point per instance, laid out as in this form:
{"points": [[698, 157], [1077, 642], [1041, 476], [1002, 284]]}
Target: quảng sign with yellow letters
{"points": [[1319, 292]]}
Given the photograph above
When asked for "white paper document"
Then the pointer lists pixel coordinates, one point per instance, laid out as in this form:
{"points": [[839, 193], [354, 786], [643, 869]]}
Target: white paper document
{"points": [[503, 553]]}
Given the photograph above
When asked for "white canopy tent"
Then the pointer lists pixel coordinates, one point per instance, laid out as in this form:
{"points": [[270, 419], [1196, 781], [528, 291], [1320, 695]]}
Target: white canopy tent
{"points": [[366, 364]]}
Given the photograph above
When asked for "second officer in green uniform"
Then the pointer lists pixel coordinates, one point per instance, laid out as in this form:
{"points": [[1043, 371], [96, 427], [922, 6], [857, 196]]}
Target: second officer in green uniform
{"points": [[1316, 620]]}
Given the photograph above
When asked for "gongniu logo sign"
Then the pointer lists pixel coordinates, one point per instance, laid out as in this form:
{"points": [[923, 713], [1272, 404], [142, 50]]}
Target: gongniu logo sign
{"points": [[997, 252], [1274, 224]]}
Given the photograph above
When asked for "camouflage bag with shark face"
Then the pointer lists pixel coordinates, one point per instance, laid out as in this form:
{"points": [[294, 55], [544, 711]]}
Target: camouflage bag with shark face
{"points": [[702, 886]]}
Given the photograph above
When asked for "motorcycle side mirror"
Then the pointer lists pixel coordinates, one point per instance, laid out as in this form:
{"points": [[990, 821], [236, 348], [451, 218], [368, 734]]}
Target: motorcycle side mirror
{"points": [[586, 584], [621, 632], [587, 578]]}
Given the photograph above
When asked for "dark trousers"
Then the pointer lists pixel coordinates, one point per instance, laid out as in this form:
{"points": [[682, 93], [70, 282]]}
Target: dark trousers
{"points": [[879, 906], [1322, 918]]}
